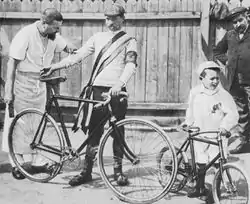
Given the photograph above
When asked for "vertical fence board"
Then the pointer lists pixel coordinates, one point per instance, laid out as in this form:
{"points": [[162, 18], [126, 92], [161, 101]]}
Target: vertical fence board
{"points": [[71, 6], [72, 86], [141, 37], [163, 53], [174, 53], [30, 6], [152, 54], [50, 4], [152, 61], [185, 55]]}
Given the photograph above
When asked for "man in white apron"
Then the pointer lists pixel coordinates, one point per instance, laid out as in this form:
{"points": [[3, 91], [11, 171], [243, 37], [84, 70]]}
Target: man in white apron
{"points": [[32, 48], [211, 108]]}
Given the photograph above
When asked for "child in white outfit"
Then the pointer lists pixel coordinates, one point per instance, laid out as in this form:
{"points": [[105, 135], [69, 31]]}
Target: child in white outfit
{"points": [[211, 108]]}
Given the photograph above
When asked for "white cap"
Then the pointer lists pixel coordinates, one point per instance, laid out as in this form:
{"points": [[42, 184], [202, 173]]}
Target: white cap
{"points": [[206, 65]]}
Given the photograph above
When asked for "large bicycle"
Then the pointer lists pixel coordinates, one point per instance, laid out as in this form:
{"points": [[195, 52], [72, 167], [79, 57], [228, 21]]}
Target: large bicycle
{"points": [[231, 182], [40, 146]]}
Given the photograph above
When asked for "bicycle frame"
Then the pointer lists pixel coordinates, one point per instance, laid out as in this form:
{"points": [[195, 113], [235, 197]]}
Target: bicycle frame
{"points": [[54, 100], [190, 142]]}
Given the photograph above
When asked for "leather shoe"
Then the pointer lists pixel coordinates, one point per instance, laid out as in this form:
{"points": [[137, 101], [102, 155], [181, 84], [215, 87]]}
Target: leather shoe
{"points": [[121, 179], [197, 193], [16, 173], [241, 148], [80, 179]]}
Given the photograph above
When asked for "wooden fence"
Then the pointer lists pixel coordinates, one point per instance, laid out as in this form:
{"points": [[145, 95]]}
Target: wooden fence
{"points": [[168, 33]]}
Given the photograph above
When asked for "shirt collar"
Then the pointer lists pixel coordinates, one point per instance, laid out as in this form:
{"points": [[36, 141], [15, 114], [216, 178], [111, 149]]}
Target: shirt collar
{"points": [[209, 92]]}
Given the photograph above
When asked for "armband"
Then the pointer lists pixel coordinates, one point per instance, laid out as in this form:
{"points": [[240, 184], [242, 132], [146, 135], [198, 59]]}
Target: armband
{"points": [[131, 56]]}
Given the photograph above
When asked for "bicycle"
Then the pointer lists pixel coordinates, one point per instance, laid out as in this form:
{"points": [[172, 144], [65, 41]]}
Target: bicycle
{"points": [[224, 187], [142, 142]]}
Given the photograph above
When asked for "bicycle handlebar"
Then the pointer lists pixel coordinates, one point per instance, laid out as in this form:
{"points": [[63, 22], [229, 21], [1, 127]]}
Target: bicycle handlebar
{"points": [[196, 130], [107, 95]]}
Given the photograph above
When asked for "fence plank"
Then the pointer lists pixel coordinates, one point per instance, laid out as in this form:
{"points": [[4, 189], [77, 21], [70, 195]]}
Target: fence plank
{"points": [[152, 61], [71, 6], [185, 55], [163, 50], [50, 4]]}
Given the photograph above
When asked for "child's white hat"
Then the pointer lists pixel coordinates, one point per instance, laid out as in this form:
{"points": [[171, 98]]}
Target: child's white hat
{"points": [[206, 65]]}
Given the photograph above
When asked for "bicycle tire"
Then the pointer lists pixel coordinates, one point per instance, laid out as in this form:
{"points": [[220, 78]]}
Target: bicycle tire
{"points": [[164, 166], [145, 173], [34, 163], [240, 188]]}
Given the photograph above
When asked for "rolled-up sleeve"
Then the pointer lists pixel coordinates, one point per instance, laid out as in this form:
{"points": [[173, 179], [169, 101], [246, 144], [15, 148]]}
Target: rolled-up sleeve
{"points": [[61, 43], [19, 45]]}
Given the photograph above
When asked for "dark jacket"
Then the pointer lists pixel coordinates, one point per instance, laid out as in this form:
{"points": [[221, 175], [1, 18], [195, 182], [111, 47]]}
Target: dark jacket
{"points": [[235, 53]]}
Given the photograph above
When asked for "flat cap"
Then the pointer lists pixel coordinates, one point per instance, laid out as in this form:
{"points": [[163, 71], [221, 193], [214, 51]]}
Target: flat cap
{"points": [[235, 12], [207, 65], [114, 10]]}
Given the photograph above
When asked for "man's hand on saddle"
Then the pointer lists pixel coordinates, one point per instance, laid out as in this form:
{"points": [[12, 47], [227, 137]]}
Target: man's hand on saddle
{"points": [[46, 71]]}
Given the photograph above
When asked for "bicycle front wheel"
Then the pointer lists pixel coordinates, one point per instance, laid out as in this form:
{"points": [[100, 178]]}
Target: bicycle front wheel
{"points": [[144, 140], [38, 158], [232, 186]]}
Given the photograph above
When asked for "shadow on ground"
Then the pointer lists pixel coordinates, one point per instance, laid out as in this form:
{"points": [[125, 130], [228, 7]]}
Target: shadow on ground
{"points": [[5, 168]]}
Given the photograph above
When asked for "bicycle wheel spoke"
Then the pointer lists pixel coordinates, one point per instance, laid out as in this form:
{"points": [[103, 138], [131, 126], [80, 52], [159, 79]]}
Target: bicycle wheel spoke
{"points": [[39, 159], [232, 186], [145, 141]]}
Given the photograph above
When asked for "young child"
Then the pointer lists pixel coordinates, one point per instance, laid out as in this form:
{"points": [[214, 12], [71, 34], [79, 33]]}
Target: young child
{"points": [[211, 108]]}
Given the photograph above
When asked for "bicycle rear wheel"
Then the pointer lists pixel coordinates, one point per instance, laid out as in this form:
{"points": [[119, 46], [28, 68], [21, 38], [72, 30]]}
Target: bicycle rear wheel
{"points": [[38, 159], [165, 168], [232, 186], [145, 140]]}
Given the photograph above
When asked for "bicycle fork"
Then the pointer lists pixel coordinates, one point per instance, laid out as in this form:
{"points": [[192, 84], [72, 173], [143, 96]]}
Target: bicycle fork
{"points": [[231, 187]]}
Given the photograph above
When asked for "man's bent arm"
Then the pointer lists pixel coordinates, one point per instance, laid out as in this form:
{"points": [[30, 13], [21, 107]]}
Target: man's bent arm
{"points": [[220, 50], [10, 79]]}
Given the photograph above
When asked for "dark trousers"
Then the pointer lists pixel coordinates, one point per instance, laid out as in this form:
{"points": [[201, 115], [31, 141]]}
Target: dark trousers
{"points": [[119, 109], [241, 95]]}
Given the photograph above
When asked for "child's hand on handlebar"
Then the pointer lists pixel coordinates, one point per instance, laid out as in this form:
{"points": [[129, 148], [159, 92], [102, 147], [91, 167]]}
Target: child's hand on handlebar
{"points": [[224, 132]]}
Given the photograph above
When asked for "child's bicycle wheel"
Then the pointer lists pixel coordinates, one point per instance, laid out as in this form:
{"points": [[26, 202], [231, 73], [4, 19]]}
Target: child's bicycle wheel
{"points": [[165, 168], [145, 140], [39, 160], [232, 186]]}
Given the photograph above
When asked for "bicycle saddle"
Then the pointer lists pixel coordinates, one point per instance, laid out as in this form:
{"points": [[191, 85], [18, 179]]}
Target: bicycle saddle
{"points": [[53, 80]]}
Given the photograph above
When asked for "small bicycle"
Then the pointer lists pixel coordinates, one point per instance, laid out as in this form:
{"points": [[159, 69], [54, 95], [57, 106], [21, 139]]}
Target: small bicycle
{"points": [[231, 182], [40, 146]]}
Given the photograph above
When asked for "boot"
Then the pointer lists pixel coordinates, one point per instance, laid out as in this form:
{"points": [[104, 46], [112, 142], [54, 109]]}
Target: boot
{"points": [[85, 176], [120, 178], [200, 189]]}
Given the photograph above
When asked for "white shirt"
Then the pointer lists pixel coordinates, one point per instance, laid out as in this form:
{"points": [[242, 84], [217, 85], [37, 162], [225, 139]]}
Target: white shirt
{"points": [[115, 70], [211, 110], [27, 47]]}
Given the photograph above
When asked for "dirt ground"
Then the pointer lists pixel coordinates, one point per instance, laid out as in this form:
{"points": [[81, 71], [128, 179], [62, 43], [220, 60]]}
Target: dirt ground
{"points": [[58, 191]]}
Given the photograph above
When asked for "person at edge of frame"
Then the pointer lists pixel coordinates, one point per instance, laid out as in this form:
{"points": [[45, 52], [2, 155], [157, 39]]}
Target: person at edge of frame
{"points": [[113, 78], [233, 50], [211, 108], [33, 47]]}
